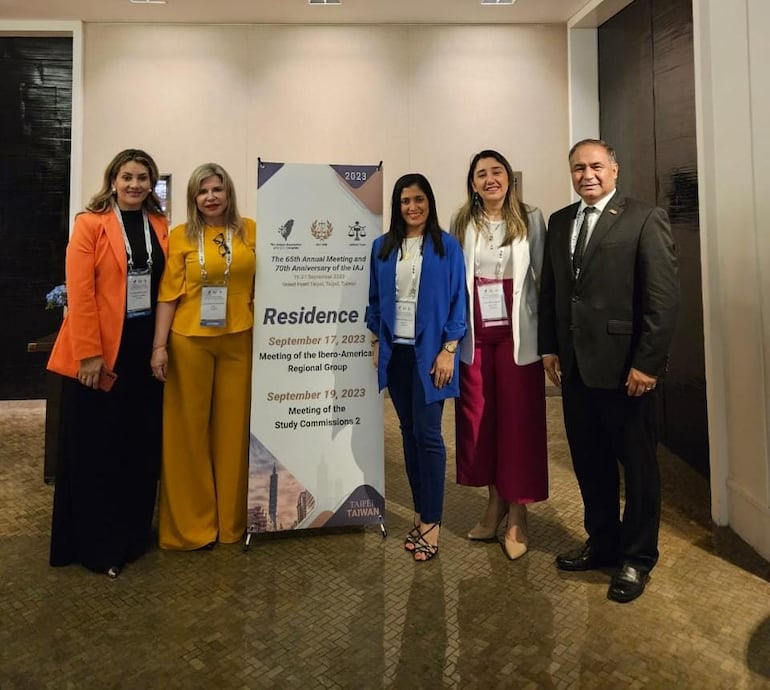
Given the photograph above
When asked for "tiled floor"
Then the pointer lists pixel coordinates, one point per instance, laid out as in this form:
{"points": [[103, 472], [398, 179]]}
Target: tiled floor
{"points": [[351, 610]]}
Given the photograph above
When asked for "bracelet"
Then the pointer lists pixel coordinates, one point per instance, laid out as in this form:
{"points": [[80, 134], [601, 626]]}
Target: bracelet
{"points": [[158, 347]]}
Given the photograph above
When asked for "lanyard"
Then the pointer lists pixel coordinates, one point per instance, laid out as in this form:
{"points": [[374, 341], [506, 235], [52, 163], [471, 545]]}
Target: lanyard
{"points": [[228, 254], [500, 255], [412, 290], [147, 239]]}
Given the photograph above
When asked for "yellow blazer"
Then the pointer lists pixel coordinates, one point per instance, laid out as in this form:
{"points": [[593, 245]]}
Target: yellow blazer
{"points": [[96, 269]]}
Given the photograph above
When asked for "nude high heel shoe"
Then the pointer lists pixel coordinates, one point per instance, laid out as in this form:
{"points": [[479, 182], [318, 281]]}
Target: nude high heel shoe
{"points": [[516, 533], [483, 533]]}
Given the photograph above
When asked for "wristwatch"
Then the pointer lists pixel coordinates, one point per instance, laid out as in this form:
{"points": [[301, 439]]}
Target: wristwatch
{"points": [[451, 349]]}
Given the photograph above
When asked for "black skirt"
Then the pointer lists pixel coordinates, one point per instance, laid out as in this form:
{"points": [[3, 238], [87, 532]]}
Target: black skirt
{"points": [[109, 461]]}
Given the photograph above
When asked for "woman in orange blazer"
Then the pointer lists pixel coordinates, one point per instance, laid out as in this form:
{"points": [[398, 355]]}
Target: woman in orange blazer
{"points": [[109, 457]]}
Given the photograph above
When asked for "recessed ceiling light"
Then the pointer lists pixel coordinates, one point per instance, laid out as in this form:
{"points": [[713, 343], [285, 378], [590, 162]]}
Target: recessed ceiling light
{"points": [[148, 2], [324, 2], [497, 2]]}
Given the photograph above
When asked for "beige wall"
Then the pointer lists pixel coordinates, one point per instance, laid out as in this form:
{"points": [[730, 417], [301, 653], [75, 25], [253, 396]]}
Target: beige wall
{"points": [[419, 98]]}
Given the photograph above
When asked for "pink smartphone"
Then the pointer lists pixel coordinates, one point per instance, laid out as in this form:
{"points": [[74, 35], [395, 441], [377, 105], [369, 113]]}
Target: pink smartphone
{"points": [[107, 379]]}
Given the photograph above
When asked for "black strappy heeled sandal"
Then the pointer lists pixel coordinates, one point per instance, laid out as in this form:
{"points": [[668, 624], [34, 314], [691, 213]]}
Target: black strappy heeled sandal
{"points": [[423, 548], [412, 537]]}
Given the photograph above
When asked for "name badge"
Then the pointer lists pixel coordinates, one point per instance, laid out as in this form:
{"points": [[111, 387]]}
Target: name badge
{"points": [[138, 294], [494, 311], [213, 305], [405, 314]]}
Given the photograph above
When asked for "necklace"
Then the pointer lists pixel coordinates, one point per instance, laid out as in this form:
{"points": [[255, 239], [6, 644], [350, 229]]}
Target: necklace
{"points": [[492, 226], [410, 244]]}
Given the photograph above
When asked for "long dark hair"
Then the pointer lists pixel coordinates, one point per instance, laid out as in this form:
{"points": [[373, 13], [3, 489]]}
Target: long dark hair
{"points": [[397, 232], [514, 211]]}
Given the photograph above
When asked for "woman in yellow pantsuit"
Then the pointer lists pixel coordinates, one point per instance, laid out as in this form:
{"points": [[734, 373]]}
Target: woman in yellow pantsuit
{"points": [[202, 350]]}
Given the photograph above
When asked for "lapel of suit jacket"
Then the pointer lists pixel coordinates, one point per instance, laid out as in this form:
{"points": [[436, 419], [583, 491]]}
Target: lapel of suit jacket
{"points": [[388, 290], [612, 212], [520, 259], [160, 229], [426, 291], [469, 254], [562, 240], [115, 237]]}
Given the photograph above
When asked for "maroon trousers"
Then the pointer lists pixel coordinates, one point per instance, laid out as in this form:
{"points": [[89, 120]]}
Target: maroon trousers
{"points": [[500, 418]]}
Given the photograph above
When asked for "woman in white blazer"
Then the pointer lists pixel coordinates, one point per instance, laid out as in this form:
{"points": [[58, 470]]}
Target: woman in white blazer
{"points": [[500, 414]]}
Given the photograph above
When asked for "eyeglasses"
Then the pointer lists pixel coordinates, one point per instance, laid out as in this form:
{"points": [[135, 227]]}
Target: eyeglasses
{"points": [[219, 240]]}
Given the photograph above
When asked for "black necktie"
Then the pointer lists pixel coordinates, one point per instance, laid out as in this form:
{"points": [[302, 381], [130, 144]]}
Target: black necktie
{"points": [[580, 245]]}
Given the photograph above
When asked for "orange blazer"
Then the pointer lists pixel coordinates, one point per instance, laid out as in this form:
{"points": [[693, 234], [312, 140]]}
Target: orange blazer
{"points": [[96, 291]]}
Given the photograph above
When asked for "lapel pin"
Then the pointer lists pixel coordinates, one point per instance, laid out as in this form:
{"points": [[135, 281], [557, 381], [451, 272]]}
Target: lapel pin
{"points": [[614, 211]]}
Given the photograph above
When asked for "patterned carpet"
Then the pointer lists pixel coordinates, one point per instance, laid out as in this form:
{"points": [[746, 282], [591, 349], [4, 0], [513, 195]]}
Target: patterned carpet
{"points": [[349, 609]]}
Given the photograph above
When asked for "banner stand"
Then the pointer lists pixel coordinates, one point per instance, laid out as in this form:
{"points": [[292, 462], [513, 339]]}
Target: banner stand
{"points": [[316, 447], [383, 533]]}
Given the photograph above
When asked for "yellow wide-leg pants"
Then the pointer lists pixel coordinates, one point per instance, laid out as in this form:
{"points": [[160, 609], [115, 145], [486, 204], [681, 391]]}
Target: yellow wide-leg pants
{"points": [[206, 410]]}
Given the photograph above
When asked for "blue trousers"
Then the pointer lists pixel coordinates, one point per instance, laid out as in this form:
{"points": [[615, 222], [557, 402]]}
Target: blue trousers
{"points": [[424, 450]]}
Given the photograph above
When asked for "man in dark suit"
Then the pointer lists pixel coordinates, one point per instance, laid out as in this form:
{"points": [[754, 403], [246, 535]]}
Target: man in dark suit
{"points": [[608, 304]]}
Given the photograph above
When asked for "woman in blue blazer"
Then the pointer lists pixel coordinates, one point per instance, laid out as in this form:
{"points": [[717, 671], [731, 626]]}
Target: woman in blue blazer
{"points": [[416, 314]]}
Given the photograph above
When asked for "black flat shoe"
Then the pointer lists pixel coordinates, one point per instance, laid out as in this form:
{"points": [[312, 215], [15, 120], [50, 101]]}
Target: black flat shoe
{"points": [[627, 584], [585, 558], [113, 572], [207, 547]]}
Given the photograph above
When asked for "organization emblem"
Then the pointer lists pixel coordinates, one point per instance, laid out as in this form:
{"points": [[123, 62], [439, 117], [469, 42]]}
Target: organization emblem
{"points": [[357, 231], [285, 229], [321, 230]]}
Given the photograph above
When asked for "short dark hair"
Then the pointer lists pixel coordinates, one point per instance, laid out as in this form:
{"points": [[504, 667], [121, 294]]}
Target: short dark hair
{"points": [[597, 142]]}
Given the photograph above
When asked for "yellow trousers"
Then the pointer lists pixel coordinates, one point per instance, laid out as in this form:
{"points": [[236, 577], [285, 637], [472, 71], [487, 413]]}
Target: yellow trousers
{"points": [[206, 409]]}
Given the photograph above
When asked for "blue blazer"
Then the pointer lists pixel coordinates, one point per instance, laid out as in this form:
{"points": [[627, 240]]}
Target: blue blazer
{"points": [[441, 309]]}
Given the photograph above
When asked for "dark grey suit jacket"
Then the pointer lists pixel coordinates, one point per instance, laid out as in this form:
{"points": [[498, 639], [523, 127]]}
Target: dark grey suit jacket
{"points": [[621, 311]]}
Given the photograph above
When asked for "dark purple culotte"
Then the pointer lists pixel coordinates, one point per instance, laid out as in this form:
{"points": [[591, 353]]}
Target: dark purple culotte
{"points": [[500, 417]]}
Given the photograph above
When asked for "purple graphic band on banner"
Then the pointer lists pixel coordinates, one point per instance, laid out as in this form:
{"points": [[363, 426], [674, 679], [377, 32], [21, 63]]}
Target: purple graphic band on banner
{"points": [[316, 449]]}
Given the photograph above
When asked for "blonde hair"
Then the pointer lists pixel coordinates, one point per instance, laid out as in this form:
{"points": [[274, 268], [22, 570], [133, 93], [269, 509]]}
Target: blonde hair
{"points": [[195, 219], [514, 212]]}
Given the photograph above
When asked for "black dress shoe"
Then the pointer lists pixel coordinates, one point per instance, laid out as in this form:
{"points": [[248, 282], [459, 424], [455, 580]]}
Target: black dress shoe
{"points": [[585, 558], [627, 584]]}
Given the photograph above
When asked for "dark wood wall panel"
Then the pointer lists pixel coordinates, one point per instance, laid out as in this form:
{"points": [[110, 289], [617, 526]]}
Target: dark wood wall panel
{"points": [[35, 134], [647, 111], [676, 168], [625, 88]]}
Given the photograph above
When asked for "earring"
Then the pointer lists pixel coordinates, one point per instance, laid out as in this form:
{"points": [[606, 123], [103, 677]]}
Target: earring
{"points": [[113, 190], [476, 199]]}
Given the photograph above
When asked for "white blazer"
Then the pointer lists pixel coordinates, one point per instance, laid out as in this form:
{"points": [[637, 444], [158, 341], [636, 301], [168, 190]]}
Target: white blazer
{"points": [[527, 263]]}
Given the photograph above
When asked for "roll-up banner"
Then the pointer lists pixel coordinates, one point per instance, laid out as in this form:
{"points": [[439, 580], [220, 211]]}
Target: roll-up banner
{"points": [[316, 447]]}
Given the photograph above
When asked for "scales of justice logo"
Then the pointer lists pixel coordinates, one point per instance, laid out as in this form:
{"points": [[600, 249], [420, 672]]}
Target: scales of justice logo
{"points": [[357, 231]]}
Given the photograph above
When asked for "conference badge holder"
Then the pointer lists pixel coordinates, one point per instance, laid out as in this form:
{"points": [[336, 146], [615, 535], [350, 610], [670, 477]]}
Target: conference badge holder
{"points": [[214, 305], [405, 315], [138, 294], [494, 311]]}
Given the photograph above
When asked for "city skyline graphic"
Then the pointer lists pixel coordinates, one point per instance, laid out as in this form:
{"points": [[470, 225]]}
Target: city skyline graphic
{"points": [[277, 499]]}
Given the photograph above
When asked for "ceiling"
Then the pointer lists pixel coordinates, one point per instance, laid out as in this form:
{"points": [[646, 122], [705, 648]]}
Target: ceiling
{"points": [[296, 11]]}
